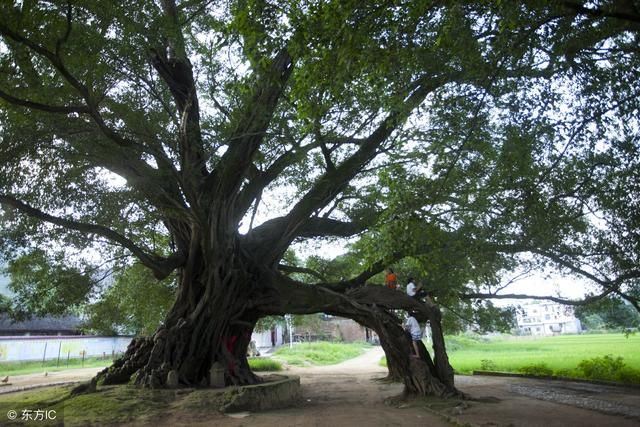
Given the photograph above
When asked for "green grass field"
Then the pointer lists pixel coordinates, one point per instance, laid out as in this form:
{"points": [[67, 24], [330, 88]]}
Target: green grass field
{"points": [[30, 367], [264, 364], [563, 352], [320, 353]]}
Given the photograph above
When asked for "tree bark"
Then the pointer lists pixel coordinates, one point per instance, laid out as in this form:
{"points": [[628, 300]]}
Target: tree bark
{"points": [[209, 323], [372, 307], [443, 369], [421, 375], [220, 299]]}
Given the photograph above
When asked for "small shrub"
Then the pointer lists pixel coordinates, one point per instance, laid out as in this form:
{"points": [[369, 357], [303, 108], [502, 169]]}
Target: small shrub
{"points": [[602, 368], [629, 375], [264, 364], [487, 365], [608, 368], [537, 369], [567, 373]]}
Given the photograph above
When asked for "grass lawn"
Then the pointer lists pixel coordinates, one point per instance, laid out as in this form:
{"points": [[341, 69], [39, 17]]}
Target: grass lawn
{"points": [[264, 364], [35, 366], [563, 352], [319, 353], [121, 405]]}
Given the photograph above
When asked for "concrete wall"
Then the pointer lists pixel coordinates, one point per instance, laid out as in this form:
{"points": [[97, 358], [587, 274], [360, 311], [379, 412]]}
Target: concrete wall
{"points": [[263, 339], [350, 331], [35, 348], [334, 329]]}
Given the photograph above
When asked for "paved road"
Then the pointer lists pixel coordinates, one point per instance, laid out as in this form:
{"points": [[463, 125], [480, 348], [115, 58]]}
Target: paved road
{"points": [[507, 401]]}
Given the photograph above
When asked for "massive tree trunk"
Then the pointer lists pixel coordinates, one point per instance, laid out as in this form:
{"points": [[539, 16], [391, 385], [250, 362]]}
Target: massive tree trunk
{"points": [[209, 325], [218, 304], [426, 375], [201, 189], [191, 343], [226, 285], [421, 376], [372, 307]]}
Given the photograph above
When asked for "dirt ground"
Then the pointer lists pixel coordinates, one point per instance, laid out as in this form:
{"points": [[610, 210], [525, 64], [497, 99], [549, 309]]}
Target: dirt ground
{"points": [[25, 382], [346, 394], [350, 394]]}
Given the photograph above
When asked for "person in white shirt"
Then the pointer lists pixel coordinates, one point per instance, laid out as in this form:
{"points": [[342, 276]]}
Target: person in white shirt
{"points": [[412, 326], [415, 291]]}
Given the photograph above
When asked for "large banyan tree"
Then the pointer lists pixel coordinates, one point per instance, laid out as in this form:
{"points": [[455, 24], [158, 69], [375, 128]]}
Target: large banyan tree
{"points": [[204, 139]]}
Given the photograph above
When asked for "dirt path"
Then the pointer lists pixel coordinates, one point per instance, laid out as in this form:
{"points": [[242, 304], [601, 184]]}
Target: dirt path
{"points": [[349, 394], [25, 382]]}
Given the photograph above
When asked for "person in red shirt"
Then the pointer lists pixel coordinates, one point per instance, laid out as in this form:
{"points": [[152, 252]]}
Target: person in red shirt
{"points": [[391, 280]]}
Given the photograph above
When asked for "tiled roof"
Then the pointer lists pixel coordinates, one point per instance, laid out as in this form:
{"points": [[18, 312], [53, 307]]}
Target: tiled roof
{"points": [[49, 323]]}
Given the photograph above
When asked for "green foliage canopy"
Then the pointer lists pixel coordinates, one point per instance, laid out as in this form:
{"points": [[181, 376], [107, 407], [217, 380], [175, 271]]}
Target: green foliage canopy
{"points": [[457, 133], [609, 313]]}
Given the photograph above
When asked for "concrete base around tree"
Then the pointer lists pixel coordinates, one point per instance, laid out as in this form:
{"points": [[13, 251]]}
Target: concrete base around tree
{"points": [[276, 392]]}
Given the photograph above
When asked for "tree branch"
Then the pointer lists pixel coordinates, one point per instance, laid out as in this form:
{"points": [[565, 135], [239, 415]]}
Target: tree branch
{"points": [[300, 298], [67, 33], [625, 11], [334, 181], [248, 136], [160, 266], [560, 300], [254, 188], [170, 60], [314, 227], [293, 269], [325, 227], [631, 299], [58, 109]]}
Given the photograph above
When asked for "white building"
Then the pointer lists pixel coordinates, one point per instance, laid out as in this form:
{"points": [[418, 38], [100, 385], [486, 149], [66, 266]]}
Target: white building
{"points": [[547, 318]]}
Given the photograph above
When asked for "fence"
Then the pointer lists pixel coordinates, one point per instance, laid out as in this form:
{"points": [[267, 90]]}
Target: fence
{"points": [[60, 347]]}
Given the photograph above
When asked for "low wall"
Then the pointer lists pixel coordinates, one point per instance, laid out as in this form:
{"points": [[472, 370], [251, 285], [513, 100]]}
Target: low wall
{"points": [[37, 348], [15, 348]]}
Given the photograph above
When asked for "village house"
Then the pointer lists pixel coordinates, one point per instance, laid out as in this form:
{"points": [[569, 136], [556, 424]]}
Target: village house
{"points": [[547, 318]]}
